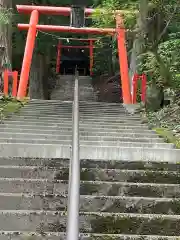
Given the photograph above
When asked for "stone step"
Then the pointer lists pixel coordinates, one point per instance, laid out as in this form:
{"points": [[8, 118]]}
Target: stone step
{"points": [[55, 102], [53, 163], [71, 98], [81, 117], [102, 117], [70, 90], [67, 89], [83, 113], [97, 143], [84, 109], [8, 235], [91, 174], [65, 93], [38, 123], [90, 152], [116, 204], [68, 121], [117, 175], [84, 137], [49, 221], [96, 188], [88, 143], [57, 118], [65, 130], [68, 108]]}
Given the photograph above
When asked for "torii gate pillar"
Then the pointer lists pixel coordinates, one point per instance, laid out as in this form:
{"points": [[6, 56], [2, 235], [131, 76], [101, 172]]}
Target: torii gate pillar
{"points": [[28, 53], [123, 59]]}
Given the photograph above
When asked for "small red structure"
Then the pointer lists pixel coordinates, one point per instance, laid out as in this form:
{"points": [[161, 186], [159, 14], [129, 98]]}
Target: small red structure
{"points": [[58, 61], [143, 79], [33, 27], [14, 75], [90, 47], [65, 11]]}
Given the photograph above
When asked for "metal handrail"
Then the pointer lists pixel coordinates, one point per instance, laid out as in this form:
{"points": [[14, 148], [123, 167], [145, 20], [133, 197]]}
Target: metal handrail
{"points": [[72, 231]]}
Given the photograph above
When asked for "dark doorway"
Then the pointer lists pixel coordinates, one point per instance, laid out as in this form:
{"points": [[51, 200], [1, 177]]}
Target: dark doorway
{"points": [[72, 58]]}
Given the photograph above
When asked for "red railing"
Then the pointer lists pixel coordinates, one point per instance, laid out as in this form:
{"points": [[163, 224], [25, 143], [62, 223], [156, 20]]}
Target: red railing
{"points": [[14, 75], [143, 79]]}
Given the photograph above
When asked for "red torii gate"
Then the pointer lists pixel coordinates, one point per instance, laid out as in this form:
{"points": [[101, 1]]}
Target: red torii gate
{"points": [[90, 47], [33, 27]]}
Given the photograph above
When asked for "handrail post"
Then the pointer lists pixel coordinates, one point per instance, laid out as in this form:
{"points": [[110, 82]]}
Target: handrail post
{"points": [[6, 82], [72, 230]]}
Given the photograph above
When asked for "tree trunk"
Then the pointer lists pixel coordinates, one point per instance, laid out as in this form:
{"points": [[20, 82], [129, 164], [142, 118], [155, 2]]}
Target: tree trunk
{"points": [[5, 38], [36, 90], [6, 32], [139, 41]]}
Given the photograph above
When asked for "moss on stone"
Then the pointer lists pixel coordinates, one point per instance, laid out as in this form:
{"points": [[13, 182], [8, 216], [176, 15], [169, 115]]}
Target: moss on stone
{"points": [[9, 108], [88, 188], [108, 237], [63, 174], [30, 238], [168, 136], [56, 227], [175, 206], [155, 177], [87, 175], [111, 224], [135, 225]]}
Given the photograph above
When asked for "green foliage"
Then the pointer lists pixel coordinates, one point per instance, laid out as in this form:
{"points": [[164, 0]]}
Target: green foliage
{"points": [[170, 53], [106, 54], [9, 105], [168, 136], [5, 16]]}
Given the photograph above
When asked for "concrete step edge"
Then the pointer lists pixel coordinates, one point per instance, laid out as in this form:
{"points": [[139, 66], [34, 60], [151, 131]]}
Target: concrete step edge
{"points": [[139, 134], [64, 213], [65, 125], [92, 143], [69, 121], [97, 182], [88, 152], [90, 169], [8, 128], [84, 236], [30, 195], [39, 101]]}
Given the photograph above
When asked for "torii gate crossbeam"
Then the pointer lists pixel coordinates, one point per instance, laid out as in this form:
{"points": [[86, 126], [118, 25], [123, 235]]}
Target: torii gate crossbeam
{"points": [[65, 11]]}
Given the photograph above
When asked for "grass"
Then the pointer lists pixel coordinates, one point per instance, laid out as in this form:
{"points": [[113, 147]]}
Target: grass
{"points": [[8, 106], [168, 136]]}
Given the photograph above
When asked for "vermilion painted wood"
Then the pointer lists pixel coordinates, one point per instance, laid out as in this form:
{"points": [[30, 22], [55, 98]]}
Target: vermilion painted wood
{"points": [[28, 53], [15, 83], [58, 57], [53, 28], [123, 60], [143, 88], [6, 82], [48, 10]]}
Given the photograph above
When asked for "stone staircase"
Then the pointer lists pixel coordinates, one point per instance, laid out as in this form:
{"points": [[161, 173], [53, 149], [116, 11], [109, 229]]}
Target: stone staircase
{"points": [[129, 176], [65, 86]]}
